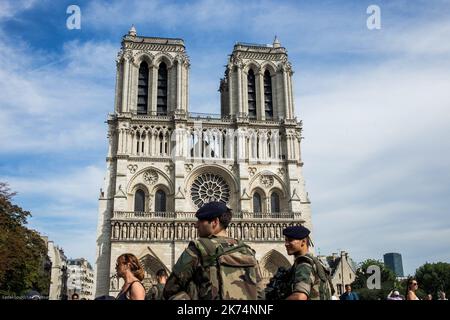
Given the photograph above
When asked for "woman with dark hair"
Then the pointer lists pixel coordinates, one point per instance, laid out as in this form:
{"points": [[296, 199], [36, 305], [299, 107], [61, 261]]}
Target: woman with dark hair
{"points": [[129, 269], [411, 287]]}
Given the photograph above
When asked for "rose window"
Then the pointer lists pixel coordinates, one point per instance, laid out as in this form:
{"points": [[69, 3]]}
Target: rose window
{"points": [[209, 187], [151, 177]]}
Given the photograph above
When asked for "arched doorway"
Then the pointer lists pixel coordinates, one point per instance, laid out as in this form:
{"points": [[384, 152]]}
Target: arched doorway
{"points": [[271, 262], [151, 265]]}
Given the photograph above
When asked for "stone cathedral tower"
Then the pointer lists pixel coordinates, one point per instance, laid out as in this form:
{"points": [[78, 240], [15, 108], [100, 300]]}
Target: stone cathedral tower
{"points": [[164, 161]]}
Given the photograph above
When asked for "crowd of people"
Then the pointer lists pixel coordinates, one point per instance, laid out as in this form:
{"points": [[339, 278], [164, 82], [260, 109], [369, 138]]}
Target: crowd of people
{"points": [[306, 280], [209, 267]]}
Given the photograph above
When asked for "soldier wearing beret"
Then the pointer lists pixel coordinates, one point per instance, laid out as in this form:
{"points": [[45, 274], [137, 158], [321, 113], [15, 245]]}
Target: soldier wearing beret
{"points": [[195, 274], [308, 278]]}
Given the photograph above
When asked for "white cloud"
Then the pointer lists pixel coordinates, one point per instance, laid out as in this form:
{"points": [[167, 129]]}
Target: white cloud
{"points": [[76, 239], [9, 8], [64, 206], [376, 157], [54, 107], [71, 189], [198, 14]]}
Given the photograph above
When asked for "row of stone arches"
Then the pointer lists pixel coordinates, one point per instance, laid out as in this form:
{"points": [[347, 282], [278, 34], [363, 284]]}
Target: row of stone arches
{"points": [[153, 231], [257, 231], [169, 231], [150, 190], [144, 86], [221, 143]]}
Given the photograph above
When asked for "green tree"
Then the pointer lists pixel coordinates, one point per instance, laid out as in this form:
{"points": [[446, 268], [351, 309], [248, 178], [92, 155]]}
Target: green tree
{"points": [[388, 281], [434, 277], [23, 253]]}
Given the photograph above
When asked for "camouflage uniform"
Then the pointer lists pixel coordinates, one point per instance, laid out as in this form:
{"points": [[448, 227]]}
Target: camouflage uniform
{"points": [[156, 292], [305, 279], [189, 279], [182, 274]]}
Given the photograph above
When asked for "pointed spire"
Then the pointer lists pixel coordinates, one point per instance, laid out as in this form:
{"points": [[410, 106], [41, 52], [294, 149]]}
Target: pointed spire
{"points": [[132, 31], [276, 42]]}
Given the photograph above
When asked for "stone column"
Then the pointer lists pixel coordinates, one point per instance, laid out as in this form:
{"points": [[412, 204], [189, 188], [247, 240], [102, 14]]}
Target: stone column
{"points": [[137, 143], [123, 148], [132, 87], [221, 146], [297, 148], [156, 143], [133, 145], [194, 145], [244, 91], [229, 143], [208, 147], [170, 89], [276, 107], [230, 90], [169, 144], [183, 87], [117, 86], [154, 88], [125, 81], [119, 140], [264, 153], [291, 95], [260, 103], [125, 140], [150, 143], [286, 95], [294, 149], [240, 146], [179, 75], [163, 151], [239, 83]]}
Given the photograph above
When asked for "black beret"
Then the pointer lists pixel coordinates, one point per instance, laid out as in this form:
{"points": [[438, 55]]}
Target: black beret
{"points": [[211, 210], [296, 232]]}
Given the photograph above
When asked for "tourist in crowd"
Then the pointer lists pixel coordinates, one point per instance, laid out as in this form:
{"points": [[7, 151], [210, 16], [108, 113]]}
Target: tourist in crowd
{"points": [[130, 270], [394, 295], [156, 291], [411, 289], [349, 295]]}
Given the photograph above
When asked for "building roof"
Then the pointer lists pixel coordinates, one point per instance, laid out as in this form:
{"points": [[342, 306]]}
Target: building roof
{"points": [[333, 262], [79, 262]]}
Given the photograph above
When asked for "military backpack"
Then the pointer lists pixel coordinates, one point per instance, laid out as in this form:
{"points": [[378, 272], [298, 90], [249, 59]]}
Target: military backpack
{"points": [[229, 270], [326, 289]]}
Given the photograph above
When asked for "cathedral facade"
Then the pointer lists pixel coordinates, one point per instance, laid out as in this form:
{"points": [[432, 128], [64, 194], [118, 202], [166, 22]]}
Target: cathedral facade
{"points": [[164, 161]]}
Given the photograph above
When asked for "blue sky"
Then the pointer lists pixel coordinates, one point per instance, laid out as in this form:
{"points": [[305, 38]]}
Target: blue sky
{"points": [[375, 106]]}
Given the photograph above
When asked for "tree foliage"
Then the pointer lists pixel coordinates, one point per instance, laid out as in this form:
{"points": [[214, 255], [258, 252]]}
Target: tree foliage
{"points": [[23, 253], [434, 277], [388, 281]]}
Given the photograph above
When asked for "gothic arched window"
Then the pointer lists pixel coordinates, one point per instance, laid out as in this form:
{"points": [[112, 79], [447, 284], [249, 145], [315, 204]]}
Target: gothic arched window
{"points": [[160, 201], [268, 103], [161, 105], [256, 203], [251, 90], [142, 89], [274, 203], [139, 201], [161, 139]]}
